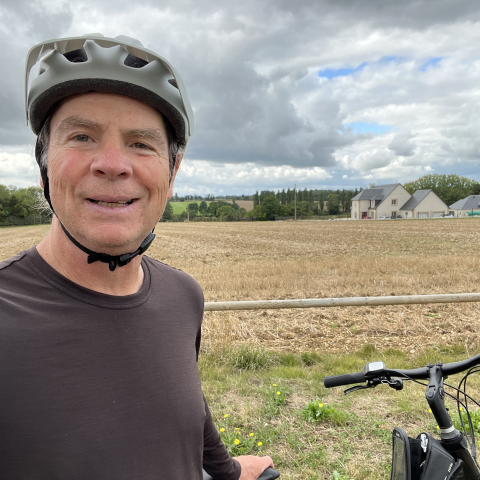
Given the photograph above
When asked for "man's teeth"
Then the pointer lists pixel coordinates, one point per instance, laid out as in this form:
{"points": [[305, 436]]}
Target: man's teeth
{"points": [[113, 204]]}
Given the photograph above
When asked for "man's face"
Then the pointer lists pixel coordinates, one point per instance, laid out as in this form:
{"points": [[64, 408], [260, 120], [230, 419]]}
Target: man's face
{"points": [[108, 170]]}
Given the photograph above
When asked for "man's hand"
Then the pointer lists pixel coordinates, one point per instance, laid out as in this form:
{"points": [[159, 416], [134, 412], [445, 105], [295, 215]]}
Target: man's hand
{"points": [[253, 467]]}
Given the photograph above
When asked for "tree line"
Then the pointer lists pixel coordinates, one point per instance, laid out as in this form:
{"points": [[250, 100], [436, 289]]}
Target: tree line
{"points": [[449, 188], [19, 203]]}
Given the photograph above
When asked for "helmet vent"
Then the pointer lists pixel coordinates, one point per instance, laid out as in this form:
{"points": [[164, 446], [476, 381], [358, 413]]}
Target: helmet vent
{"points": [[76, 56], [173, 82], [134, 62]]}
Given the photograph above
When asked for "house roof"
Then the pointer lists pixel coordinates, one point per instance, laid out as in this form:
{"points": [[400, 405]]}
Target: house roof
{"points": [[379, 192], [415, 199], [470, 203]]}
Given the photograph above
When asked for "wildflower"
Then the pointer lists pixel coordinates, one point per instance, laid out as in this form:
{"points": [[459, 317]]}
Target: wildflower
{"points": [[259, 444], [278, 393], [438, 427], [237, 429], [251, 434], [226, 415], [236, 441], [430, 410], [274, 385], [460, 408], [237, 432], [222, 429], [320, 405]]}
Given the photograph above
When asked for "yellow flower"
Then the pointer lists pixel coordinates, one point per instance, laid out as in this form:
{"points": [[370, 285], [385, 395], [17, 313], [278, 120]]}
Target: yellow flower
{"points": [[278, 393], [237, 429], [238, 433], [460, 408], [251, 434], [259, 444], [274, 385], [236, 441], [320, 404], [222, 429], [438, 427], [430, 410], [226, 415]]}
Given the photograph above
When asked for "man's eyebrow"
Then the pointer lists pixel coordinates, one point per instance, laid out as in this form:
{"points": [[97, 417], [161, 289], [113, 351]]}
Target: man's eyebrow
{"points": [[75, 121], [153, 134]]}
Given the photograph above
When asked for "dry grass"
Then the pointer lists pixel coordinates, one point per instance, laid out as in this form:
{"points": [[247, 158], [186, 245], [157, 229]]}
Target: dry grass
{"points": [[266, 260]]}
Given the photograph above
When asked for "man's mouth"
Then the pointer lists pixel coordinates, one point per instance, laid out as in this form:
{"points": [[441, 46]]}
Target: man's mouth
{"points": [[117, 204]]}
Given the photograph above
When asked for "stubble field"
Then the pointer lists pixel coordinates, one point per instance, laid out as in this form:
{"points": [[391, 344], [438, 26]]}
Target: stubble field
{"points": [[254, 261], [250, 357]]}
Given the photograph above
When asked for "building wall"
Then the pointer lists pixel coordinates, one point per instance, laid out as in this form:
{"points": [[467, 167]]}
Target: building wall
{"points": [[463, 213], [429, 206], [386, 208], [359, 206]]}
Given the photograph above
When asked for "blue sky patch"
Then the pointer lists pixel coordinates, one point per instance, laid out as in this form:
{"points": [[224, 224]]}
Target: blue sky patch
{"points": [[430, 63], [341, 72], [368, 127]]}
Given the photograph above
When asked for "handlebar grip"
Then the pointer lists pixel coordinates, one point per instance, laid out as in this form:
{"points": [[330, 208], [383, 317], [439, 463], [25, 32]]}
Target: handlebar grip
{"points": [[348, 379]]}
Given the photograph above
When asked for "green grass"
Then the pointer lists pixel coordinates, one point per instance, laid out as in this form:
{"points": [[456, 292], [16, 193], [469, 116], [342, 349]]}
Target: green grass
{"points": [[179, 207], [274, 403]]}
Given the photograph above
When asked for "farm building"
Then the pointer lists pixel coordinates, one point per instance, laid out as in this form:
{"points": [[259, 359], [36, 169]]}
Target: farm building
{"points": [[463, 207], [394, 200]]}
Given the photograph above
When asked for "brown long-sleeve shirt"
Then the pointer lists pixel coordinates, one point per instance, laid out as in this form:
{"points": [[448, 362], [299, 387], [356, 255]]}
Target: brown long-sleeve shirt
{"points": [[100, 387]]}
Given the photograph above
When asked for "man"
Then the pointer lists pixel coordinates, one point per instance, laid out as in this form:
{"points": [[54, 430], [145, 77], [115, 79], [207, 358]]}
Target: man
{"points": [[98, 343]]}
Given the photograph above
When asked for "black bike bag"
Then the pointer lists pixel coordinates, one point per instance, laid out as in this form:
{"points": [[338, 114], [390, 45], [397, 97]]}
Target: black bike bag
{"points": [[422, 458]]}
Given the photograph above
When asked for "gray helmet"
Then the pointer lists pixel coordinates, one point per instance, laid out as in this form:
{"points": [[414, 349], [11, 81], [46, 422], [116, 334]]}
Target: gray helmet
{"points": [[96, 63]]}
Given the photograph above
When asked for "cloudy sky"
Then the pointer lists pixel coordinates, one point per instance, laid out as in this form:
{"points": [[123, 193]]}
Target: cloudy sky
{"points": [[321, 93]]}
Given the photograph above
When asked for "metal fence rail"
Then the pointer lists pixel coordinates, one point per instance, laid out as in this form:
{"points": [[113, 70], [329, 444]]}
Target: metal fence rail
{"points": [[342, 302]]}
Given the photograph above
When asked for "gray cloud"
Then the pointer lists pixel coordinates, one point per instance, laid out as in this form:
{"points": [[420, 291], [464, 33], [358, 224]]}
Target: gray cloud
{"points": [[402, 144], [251, 72]]}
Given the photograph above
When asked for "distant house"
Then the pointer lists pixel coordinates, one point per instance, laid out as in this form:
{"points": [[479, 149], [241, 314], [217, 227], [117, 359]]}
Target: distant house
{"points": [[465, 205], [424, 204], [379, 201]]}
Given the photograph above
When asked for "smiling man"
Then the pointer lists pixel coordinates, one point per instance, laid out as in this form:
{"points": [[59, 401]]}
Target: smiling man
{"points": [[99, 343]]}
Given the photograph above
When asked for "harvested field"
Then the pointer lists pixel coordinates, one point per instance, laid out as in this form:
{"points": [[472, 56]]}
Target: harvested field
{"points": [[266, 260]]}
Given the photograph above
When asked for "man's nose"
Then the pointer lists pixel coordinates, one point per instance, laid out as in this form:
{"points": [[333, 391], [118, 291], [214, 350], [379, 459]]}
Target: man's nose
{"points": [[111, 161]]}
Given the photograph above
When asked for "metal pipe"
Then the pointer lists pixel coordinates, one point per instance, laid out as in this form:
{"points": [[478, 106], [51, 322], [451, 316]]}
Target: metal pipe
{"points": [[342, 302]]}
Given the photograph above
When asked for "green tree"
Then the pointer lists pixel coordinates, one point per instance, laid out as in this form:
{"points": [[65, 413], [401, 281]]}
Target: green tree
{"points": [[224, 211], [202, 209], [168, 212], [320, 201], [193, 209], [256, 199], [333, 204], [450, 188], [271, 207]]}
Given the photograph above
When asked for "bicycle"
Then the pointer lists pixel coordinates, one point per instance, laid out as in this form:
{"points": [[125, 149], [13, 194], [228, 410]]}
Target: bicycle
{"points": [[426, 458]]}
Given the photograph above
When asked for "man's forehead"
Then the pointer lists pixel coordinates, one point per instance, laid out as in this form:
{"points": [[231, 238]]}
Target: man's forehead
{"points": [[103, 110]]}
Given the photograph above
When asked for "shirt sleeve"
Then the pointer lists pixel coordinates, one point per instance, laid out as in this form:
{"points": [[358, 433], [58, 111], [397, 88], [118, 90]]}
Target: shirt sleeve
{"points": [[217, 462]]}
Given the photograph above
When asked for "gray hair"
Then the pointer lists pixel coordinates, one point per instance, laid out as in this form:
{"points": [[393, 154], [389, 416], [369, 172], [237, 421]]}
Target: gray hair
{"points": [[175, 148]]}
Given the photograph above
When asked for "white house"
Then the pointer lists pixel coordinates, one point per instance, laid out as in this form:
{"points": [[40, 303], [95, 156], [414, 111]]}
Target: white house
{"points": [[378, 201], [424, 204], [465, 205]]}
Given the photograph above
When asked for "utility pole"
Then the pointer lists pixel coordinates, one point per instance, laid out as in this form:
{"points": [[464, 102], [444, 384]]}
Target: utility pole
{"points": [[188, 211], [295, 199]]}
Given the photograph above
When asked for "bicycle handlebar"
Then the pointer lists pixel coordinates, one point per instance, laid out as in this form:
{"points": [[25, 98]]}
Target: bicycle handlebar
{"points": [[417, 373]]}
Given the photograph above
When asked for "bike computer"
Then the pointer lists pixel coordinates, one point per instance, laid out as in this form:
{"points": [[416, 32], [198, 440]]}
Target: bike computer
{"points": [[373, 368]]}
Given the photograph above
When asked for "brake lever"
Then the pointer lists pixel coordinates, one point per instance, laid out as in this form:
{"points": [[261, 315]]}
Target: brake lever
{"points": [[359, 387]]}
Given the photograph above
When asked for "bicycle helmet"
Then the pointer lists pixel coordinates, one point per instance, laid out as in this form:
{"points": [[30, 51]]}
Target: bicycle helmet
{"points": [[94, 63]]}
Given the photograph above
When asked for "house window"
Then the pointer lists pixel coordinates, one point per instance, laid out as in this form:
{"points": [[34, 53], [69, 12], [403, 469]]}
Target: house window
{"points": [[394, 202], [394, 214]]}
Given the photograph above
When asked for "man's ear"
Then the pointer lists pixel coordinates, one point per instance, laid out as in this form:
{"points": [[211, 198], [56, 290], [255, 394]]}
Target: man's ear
{"points": [[174, 174]]}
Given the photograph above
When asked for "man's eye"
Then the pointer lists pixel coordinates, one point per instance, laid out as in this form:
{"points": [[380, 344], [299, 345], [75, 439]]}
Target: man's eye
{"points": [[81, 138], [141, 145]]}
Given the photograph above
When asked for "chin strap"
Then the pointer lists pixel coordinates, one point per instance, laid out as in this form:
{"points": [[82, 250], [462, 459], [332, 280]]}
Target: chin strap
{"points": [[113, 261]]}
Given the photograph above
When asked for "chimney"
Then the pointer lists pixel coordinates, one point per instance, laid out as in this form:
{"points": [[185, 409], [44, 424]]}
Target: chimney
{"points": [[371, 185]]}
